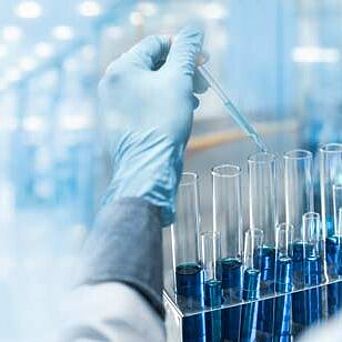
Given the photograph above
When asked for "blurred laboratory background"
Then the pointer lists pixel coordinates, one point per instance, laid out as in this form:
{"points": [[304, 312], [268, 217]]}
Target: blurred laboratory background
{"points": [[280, 61]]}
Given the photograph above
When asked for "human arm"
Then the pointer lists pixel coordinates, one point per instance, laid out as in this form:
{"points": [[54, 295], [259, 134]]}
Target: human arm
{"points": [[120, 294], [148, 104]]}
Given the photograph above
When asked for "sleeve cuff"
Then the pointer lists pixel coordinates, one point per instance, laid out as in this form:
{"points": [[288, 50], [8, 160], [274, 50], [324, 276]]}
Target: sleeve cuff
{"points": [[126, 246]]}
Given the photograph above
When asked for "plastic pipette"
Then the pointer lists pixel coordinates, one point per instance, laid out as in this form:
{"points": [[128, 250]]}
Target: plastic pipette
{"points": [[238, 117]]}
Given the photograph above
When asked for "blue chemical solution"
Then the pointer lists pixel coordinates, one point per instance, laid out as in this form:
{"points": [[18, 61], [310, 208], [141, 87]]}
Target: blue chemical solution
{"points": [[265, 312], [266, 261], [330, 227], [213, 299], [313, 298], [334, 259], [283, 305], [333, 246], [194, 328], [334, 298], [298, 264], [189, 287], [298, 317], [231, 270], [249, 314]]}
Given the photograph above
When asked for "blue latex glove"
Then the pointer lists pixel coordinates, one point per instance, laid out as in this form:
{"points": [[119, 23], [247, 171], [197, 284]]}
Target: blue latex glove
{"points": [[148, 103]]}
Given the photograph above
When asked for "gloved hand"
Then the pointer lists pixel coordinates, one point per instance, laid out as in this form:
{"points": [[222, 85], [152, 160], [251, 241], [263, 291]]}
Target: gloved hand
{"points": [[148, 100]]}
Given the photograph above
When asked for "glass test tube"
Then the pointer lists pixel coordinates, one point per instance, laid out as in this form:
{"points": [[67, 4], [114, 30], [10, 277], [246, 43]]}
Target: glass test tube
{"points": [[299, 199], [283, 283], [188, 273], [337, 205], [330, 174], [284, 255], [339, 232], [299, 195], [339, 221], [264, 175], [251, 284], [335, 254], [264, 178], [210, 255], [185, 237], [227, 219], [313, 298]]}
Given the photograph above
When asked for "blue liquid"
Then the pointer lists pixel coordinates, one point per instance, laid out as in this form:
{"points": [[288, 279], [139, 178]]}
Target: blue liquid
{"points": [[232, 292], [231, 279], [249, 315], [298, 300], [330, 227], [213, 299], [283, 304], [334, 264], [298, 264], [333, 252], [266, 261], [194, 328], [189, 286], [265, 312], [333, 249], [284, 278], [283, 319], [189, 282], [334, 298], [265, 320], [313, 305]]}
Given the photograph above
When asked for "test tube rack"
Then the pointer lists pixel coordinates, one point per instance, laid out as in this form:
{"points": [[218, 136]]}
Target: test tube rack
{"points": [[177, 319], [300, 292]]}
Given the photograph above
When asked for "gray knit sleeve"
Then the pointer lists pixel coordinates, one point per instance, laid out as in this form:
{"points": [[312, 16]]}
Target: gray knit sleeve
{"points": [[125, 246]]}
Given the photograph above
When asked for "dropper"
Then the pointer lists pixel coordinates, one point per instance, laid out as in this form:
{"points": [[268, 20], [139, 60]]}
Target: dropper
{"points": [[237, 116]]}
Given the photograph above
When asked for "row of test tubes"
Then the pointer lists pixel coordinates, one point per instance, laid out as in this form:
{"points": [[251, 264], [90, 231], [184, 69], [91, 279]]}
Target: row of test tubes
{"points": [[271, 281]]}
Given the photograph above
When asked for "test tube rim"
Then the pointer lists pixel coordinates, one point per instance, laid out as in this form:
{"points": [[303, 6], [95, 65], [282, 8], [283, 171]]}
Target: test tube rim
{"points": [[251, 231], [282, 225], [337, 186], [289, 227], [305, 155], [312, 215], [273, 157], [215, 170], [193, 180], [331, 148], [212, 233]]}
